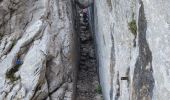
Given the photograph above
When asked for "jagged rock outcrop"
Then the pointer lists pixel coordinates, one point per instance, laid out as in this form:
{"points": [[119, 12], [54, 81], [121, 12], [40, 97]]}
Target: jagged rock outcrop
{"points": [[37, 50], [132, 38]]}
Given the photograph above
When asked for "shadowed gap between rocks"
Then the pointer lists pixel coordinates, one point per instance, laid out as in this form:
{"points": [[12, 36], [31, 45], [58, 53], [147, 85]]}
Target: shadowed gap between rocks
{"points": [[88, 87]]}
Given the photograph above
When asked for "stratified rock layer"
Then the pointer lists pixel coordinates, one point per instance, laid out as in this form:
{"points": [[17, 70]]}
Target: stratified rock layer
{"points": [[37, 50]]}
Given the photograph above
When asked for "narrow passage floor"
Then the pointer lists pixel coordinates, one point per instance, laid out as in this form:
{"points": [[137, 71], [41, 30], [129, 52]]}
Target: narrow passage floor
{"points": [[88, 87]]}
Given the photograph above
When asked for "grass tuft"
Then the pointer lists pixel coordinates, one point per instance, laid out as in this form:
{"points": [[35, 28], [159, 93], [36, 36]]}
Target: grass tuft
{"points": [[11, 74], [99, 89], [133, 27]]}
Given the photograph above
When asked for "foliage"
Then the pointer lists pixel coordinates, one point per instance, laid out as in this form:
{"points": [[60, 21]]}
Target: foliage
{"points": [[99, 89], [133, 27], [11, 73]]}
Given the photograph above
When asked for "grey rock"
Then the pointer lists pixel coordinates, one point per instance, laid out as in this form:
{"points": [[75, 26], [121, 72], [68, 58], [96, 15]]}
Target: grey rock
{"points": [[40, 34], [147, 64], [39, 50]]}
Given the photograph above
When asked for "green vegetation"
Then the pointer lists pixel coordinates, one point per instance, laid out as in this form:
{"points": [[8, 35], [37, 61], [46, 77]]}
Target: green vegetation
{"points": [[133, 27], [99, 89], [11, 74]]}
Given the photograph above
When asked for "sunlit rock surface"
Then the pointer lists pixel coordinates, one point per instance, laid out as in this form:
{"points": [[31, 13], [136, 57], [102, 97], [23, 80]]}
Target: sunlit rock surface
{"points": [[133, 38], [37, 50]]}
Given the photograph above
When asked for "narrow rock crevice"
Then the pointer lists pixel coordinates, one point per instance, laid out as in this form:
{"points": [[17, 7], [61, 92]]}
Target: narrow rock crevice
{"points": [[57, 49], [87, 82], [112, 65]]}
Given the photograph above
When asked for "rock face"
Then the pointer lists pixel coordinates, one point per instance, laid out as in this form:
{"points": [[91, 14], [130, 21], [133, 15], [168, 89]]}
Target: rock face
{"points": [[133, 38], [37, 50]]}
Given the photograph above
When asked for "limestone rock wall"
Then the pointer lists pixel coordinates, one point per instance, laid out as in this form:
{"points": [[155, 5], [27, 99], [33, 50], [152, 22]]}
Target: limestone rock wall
{"points": [[37, 50], [133, 38]]}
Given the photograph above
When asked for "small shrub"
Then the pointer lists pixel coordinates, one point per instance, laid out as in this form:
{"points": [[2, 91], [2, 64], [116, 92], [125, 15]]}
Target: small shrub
{"points": [[133, 27], [99, 89], [12, 77], [11, 73]]}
